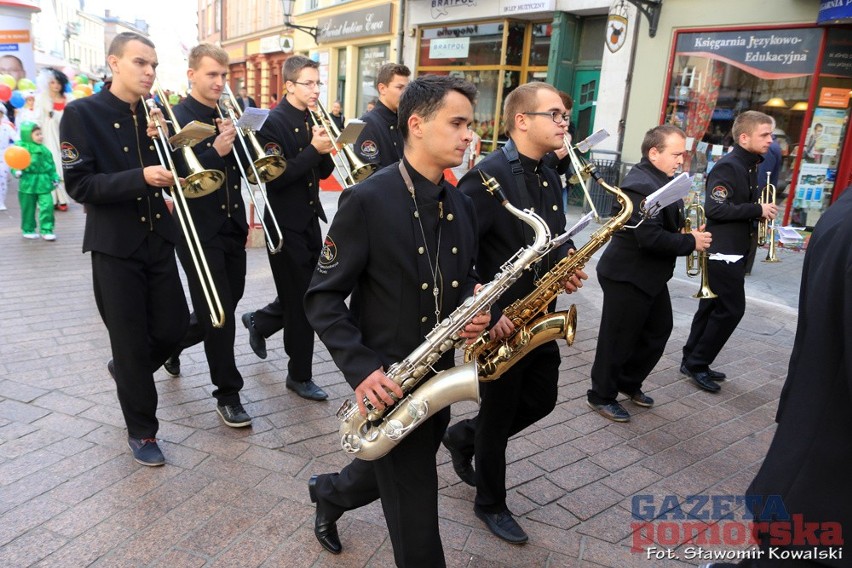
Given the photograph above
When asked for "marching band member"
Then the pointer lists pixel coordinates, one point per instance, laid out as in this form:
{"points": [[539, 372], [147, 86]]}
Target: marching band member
{"points": [[392, 242], [220, 220], [636, 319], [731, 207], [535, 124], [112, 167], [294, 197], [381, 141]]}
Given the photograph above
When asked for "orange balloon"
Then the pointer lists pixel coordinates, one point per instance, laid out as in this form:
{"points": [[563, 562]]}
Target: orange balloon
{"points": [[17, 157]]}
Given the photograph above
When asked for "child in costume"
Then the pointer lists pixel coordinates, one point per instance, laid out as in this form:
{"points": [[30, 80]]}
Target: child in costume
{"points": [[37, 183]]}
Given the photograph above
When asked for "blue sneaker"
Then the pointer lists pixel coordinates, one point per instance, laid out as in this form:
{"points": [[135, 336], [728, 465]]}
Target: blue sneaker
{"points": [[146, 451]]}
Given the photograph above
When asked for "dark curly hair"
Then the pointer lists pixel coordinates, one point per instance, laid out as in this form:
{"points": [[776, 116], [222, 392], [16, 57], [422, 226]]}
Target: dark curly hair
{"points": [[60, 77]]}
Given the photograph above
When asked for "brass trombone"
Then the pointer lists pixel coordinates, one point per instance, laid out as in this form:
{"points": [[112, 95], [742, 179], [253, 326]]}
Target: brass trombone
{"points": [[263, 169], [202, 180], [766, 227], [351, 169], [696, 262]]}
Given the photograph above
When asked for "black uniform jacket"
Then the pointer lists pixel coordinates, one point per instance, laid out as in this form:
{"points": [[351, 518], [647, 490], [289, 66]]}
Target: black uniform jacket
{"points": [[294, 196], [808, 463], [211, 212], [375, 251], [501, 234], [645, 256], [104, 149], [731, 201], [380, 142]]}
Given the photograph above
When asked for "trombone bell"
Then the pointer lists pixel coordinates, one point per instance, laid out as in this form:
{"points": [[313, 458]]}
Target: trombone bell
{"points": [[269, 168], [202, 183]]}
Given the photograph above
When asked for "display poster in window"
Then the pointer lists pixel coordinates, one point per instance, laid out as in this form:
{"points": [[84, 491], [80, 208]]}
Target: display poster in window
{"points": [[823, 140], [811, 187]]}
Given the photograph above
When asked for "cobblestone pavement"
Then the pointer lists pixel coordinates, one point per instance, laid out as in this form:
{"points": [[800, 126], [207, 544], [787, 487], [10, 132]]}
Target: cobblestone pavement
{"points": [[70, 494]]}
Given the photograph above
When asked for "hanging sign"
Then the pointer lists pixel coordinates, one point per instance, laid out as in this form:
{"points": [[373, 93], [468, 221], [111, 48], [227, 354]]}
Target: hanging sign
{"points": [[616, 26]]}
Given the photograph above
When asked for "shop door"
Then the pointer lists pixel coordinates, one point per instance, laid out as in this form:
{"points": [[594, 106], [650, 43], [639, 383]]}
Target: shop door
{"points": [[586, 83]]}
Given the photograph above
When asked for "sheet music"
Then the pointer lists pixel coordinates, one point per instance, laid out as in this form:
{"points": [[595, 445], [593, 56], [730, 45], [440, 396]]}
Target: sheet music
{"points": [[587, 144], [678, 188], [253, 118], [580, 225]]}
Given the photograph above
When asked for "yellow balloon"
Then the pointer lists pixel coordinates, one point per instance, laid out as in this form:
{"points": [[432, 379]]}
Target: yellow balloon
{"points": [[8, 80]]}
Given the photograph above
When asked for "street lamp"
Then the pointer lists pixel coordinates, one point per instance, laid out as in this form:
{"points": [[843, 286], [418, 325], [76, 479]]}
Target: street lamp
{"points": [[288, 22]]}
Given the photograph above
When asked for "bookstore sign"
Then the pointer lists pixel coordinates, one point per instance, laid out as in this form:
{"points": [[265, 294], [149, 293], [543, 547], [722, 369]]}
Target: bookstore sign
{"points": [[768, 54]]}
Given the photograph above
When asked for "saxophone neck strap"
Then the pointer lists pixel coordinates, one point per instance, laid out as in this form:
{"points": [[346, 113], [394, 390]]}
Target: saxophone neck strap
{"points": [[511, 152]]}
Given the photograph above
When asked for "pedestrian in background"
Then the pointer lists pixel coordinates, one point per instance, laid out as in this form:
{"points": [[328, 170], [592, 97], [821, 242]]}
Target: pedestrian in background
{"points": [[8, 136], [37, 182]]}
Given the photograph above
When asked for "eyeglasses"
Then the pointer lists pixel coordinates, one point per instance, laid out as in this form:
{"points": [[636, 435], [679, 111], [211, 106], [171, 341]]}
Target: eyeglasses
{"points": [[310, 84], [554, 115]]}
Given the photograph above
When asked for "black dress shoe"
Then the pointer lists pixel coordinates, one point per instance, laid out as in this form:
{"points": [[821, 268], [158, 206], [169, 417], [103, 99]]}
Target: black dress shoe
{"points": [[702, 380], [256, 339], [306, 389], [111, 368], [639, 398], [614, 411], [461, 461], [172, 365], [503, 525], [713, 375], [325, 527]]}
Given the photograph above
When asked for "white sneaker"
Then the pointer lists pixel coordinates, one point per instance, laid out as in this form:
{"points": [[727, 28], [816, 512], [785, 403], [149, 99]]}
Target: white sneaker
{"points": [[49, 237], [30, 235]]}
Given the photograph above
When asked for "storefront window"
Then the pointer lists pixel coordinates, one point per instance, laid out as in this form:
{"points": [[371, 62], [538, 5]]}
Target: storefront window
{"points": [[540, 48], [718, 75], [475, 44], [370, 58], [515, 43]]}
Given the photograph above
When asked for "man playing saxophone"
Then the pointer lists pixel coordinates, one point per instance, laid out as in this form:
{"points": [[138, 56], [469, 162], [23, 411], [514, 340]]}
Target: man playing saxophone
{"points": [[402, 244], [220, 219], [535, 123], [636, 319]]}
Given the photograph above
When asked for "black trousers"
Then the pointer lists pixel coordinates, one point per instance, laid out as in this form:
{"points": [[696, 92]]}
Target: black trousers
{"points": [[226, 258], [633, 334], [141, 302], [292, 269], [406, 480], [525, 394], [268, 320], [716, 319]]}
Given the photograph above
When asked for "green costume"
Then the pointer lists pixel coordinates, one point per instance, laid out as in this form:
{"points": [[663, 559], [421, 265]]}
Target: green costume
{"points": [[36, 184]]}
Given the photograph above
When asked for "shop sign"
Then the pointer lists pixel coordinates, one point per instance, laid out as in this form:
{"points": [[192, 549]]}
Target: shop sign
{"points": [[834, 97], [768, 54], [509, 7], [835, 12], [270, 44], [359, 23], [449, 48], [616, 27], [440, 7]]}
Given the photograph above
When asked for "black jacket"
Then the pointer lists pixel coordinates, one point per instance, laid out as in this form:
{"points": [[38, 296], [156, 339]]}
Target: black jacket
{"points": [[731, 199], [294, 196], [242, 104], [501, 234], [211, 212], [375, 251], [104, 150], [646, 256], [380, 142]]}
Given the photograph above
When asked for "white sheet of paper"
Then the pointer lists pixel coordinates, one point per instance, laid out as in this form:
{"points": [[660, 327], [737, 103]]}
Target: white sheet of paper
{"points": [[581, 224], [676, 189], [587, 144], [789, 234], [351, 131], [253, 118], [729, 258]]}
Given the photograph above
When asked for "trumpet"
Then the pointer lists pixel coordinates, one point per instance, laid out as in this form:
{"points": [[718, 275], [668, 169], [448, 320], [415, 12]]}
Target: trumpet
{"points": [[351, 169], [262, 170], [203, 181], [696, 262], [766, 227]]}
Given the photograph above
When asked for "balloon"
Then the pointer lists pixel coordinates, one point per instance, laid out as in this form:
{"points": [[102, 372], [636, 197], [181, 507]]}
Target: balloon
{"points": [[78, 94], [86, 88], [17, 99], [68, 87], [98, 86], [5, 93], [26, 85], [82, 80], [8, 80], [17, 157]]}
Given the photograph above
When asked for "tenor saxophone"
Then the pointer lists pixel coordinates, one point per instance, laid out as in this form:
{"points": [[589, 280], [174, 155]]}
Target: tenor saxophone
{"points": [[533, 325], [375, 435]]}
